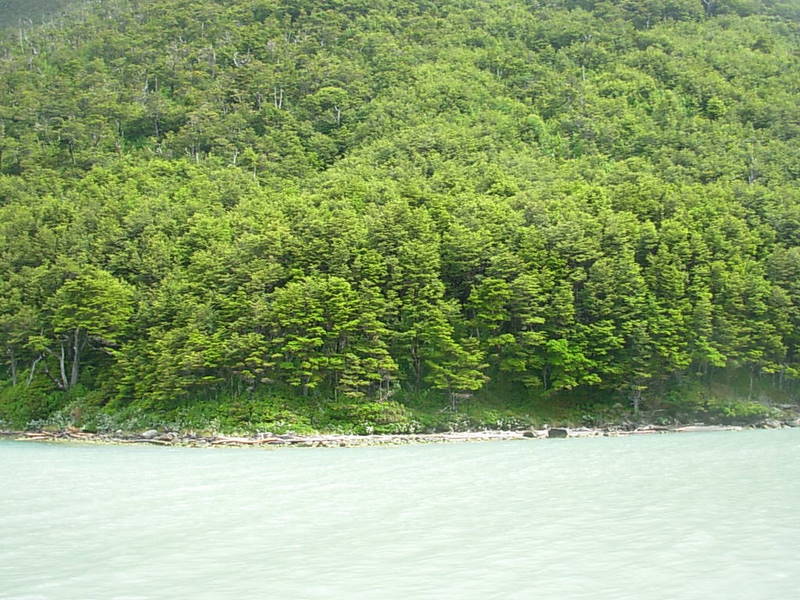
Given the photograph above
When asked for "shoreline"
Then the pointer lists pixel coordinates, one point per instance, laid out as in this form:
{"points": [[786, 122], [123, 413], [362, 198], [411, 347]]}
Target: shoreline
{"points": [[191, 440]]}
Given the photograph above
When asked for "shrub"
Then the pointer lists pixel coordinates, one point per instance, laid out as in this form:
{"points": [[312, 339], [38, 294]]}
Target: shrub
{"points": [[24, 407]]}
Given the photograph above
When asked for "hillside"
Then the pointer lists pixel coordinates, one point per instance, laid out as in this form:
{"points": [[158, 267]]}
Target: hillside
{"points": [[316, 214]]}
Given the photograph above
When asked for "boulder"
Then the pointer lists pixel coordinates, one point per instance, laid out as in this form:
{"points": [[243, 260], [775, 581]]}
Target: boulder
{"points": [[557, 432], [149, 434]]}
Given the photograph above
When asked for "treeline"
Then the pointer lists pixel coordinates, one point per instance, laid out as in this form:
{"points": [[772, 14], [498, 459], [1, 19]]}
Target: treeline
{"points": [[345, 199]]}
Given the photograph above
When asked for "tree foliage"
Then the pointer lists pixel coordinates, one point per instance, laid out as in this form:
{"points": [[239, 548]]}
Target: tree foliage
{"points": [[344, 199]]}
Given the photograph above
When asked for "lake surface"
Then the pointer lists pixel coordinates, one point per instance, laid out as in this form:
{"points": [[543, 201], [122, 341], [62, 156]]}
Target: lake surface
{"points": [[706, 516]]}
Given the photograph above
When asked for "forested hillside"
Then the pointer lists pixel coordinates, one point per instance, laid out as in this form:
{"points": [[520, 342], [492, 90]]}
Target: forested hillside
{"points": [[307, 206]]}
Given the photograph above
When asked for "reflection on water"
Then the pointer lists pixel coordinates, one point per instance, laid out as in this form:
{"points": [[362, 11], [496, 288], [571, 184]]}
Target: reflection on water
{"points": [[705, 516]]}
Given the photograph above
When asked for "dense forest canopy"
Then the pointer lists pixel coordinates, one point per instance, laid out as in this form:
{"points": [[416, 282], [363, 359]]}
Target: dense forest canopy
{"points": [[351, 199]]}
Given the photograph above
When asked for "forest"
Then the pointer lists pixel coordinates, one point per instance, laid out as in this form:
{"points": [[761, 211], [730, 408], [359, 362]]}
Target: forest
{"points": [[301, 215]]}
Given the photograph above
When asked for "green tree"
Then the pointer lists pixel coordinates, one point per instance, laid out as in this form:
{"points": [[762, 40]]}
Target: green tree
{"points": [[93, 308]]}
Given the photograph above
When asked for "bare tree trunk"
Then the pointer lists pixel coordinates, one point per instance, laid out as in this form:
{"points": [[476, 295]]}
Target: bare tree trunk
{"points": [[76, 355], [62, 368], [58, 383], [636, 398], [32, 372]]}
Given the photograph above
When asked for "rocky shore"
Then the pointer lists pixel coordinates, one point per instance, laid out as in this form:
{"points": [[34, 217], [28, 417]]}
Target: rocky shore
{"points": [[268, 440]]}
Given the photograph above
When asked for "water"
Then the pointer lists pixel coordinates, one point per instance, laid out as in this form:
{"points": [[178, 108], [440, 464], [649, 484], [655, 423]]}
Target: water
{"points": [[705, 516]]}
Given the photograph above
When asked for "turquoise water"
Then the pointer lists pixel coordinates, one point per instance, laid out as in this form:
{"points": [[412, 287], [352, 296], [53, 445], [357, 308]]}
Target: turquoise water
{"points": [[706, 516]]}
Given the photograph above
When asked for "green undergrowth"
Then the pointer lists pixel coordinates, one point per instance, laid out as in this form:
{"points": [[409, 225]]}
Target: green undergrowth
{"points": [[718, 402], [724, 403]]}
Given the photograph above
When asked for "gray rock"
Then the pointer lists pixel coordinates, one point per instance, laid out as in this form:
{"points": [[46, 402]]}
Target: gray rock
{"points": [[557, 432], [149, 434]]}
